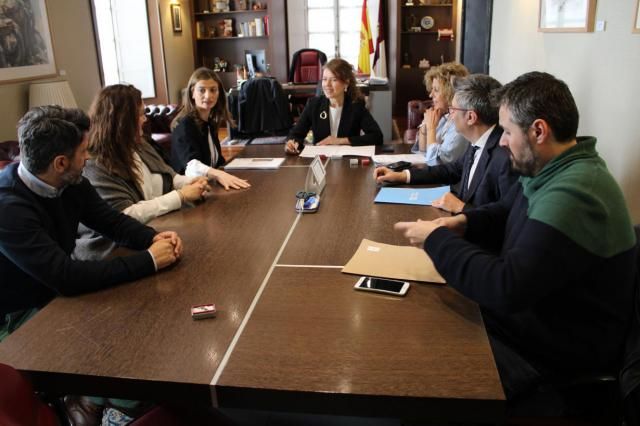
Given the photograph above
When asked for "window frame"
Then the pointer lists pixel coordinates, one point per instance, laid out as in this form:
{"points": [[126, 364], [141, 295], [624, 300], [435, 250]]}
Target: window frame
{"points": [[157, 54]]}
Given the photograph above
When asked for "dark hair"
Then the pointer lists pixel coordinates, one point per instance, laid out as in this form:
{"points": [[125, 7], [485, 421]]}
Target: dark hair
{"points": [[219, 113], [48, 131], [114, 135], [344, 72], [474, 92], [538, 95]]}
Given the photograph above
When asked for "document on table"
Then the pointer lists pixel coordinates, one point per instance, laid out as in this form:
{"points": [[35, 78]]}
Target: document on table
{"points": [[254, 163], [310, 151], [385, 159], [415, 196], [395, 262]]}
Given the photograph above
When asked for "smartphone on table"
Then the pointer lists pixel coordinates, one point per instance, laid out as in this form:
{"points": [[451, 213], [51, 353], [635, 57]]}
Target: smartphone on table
{"points": [[399, 166], [383, 285]]}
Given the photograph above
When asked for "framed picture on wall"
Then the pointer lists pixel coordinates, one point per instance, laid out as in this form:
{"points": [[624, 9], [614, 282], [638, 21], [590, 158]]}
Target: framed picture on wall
{"points": [[567, 15], [26, 51], [176, 18], [636, 20]]}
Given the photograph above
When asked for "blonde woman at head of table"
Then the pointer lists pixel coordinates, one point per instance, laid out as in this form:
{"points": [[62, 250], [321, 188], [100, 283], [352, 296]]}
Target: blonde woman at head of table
{"points": [[437, 136]]}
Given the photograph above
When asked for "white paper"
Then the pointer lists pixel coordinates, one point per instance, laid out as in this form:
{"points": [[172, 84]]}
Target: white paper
{"points": [[310, 151], [383, 160], [254, 163]]}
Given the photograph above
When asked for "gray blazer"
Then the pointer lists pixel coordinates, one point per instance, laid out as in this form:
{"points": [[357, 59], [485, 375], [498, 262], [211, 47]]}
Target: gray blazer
{"points": [[120, 193]]}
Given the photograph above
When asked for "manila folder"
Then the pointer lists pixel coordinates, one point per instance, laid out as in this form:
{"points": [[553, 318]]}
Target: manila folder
{"points": [[395, 262]]}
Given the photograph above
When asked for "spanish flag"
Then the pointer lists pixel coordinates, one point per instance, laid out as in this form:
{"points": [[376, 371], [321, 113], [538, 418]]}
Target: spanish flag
{"points": [[366, 43]]}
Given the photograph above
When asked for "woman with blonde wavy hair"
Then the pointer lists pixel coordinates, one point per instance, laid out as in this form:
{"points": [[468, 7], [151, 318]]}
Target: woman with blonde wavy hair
{"points": [[437, 135]]}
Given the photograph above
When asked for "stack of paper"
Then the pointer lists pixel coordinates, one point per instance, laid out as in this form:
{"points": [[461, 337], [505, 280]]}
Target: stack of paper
{"points": [[310, 151], [383, 160], [254, 163]]}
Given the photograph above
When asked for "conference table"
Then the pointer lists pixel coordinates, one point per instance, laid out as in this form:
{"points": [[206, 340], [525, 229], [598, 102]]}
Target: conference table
{"points": [[290, 334]]}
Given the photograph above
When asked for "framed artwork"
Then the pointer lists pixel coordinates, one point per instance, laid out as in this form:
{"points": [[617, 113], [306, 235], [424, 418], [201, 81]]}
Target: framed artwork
{"points": [[176, 18], [26, 50], [567, 15], [636, 19]]}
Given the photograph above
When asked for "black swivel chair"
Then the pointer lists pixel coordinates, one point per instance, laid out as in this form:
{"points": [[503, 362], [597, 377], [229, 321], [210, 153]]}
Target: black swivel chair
{"points": [[607, 398], [630, 374]]}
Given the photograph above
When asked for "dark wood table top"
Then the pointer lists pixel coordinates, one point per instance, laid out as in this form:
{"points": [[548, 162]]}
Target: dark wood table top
{"points": [[314, 344], [289, 335]]}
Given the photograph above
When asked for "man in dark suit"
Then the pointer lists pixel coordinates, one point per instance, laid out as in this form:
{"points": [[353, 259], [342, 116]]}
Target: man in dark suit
{"points": [[483, 174]]}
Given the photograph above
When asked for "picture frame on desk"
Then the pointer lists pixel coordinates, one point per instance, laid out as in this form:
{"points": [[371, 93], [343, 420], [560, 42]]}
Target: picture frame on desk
{"points": [[28, 50], [176, 18], [566, 16]]}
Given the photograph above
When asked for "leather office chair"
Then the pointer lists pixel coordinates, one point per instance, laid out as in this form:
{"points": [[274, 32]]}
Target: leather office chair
{"points": [[261, 110], [630, 374], [415, 114], [9, 153], [606, 398], [19, 405], [306, 68]]}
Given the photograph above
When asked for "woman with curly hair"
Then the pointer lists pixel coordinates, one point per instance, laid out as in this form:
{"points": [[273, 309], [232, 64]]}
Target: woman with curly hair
{"points": [[437, 135]]}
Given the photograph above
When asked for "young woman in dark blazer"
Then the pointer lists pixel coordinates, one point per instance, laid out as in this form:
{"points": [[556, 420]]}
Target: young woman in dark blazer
{"points": [[339, 116], [195, 149]]}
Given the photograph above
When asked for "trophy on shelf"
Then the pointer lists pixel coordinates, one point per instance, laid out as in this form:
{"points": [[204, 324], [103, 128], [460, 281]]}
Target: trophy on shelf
{"points": [[412, 24]]}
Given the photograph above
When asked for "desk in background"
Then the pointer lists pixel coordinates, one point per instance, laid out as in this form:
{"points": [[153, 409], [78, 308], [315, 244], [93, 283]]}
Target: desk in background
{"points": [[291, 333], [379, 103]]}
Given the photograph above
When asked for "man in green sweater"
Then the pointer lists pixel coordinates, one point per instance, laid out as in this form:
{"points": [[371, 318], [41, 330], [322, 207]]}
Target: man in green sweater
{"points": [[552, 265]]}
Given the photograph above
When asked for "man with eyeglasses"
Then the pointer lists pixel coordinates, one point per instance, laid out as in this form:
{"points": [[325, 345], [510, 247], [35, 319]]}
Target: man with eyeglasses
{"points": [[552, 264], [483, 174]]}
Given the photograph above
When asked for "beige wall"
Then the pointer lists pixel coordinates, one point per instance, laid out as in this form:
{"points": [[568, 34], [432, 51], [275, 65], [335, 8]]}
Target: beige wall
{"points": [[601, 69], [75, 54], [178, 48]]}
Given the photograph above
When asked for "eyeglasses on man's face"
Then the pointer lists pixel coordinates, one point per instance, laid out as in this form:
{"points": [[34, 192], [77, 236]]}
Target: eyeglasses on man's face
{"points": [[453, 109]]}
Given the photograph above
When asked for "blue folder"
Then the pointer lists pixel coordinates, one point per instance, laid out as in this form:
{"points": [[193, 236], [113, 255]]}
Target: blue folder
{"points": [[417, 196]]}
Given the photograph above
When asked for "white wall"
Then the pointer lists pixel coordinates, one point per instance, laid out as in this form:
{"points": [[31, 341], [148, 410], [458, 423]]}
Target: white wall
{"points": [[602, 70], [178, 48], [75, 54]]}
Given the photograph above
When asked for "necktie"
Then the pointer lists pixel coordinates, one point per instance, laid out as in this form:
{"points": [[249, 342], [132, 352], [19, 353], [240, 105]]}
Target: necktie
{"points": [[464, 184]]}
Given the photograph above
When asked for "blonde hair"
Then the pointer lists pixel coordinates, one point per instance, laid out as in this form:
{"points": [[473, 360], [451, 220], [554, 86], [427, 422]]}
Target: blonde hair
{"points": [[445, 74]]}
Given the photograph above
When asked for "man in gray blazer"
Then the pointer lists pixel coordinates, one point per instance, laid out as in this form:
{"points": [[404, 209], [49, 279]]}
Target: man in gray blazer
{"points": [[483, 174]]}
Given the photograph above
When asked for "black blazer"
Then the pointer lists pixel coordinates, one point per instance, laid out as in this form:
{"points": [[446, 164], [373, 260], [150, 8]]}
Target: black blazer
{"points": [[189, 141], [354, 117], [492, 179]]}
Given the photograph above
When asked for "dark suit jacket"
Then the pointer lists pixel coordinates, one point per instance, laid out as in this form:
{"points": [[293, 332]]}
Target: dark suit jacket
{"points": [[492, 179], [189, 141], [263, 107], [354, 117]]}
